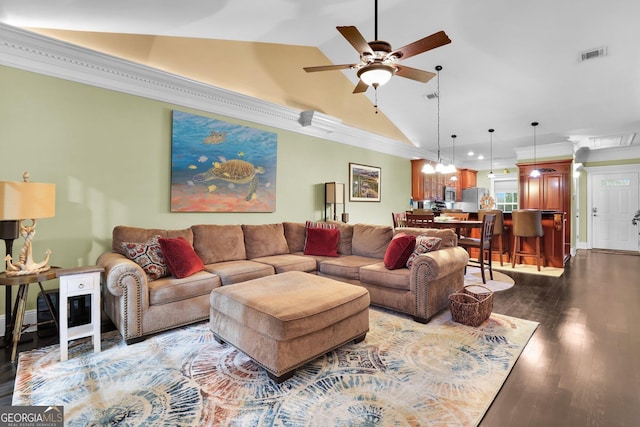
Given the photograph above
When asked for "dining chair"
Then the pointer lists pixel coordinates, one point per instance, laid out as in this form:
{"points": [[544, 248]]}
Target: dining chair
{"points": [[399, 219], [420, 220], [483, 244], [498, 231]]}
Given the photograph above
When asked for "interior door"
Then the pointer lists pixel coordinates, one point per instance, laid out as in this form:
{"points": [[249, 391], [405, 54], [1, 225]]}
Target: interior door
{"points": [[615, 201]]}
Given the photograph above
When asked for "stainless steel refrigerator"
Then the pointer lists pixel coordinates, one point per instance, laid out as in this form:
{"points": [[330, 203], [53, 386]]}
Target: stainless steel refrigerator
{"points": [[471, 198]]}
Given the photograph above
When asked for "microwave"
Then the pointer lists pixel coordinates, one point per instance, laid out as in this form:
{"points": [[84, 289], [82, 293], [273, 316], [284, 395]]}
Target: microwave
{"points": [[449, 194]]}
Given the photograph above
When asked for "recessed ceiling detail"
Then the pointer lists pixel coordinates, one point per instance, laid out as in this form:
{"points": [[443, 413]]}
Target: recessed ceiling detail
{"points": [[611, 141]]}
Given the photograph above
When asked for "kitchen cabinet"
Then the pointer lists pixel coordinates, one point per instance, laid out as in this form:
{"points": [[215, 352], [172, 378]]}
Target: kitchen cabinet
{"points": [[430, 187], [551, 191]]}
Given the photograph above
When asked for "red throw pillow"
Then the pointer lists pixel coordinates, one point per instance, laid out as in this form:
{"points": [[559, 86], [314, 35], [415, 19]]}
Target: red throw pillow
{"points": [[322, 241], [181, 259], [398, 251]]}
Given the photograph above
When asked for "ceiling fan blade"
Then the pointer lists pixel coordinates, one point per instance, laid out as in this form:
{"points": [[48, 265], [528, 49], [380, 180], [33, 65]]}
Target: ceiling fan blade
{"points": [[328, 67], [354, 37], [430, 42], [361, 87], [414, 73]]}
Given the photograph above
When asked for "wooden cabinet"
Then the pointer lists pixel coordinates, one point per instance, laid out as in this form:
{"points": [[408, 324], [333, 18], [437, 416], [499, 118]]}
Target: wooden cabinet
{"points": [[429, 187], [551, 191], [466, 178]]}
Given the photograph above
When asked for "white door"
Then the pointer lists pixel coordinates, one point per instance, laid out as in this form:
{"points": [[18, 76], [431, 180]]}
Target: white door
{"points": [[615, 201]]}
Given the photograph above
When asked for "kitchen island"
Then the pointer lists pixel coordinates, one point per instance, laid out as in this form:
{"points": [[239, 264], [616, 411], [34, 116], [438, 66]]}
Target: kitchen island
{"points": [[556, 247]]}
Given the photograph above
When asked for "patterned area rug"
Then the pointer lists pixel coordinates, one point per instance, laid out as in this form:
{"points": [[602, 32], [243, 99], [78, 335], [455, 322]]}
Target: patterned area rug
{"points": [[530, 269], [404, 373]]}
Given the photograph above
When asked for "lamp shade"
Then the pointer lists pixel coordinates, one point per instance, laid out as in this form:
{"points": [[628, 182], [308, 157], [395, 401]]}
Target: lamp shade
{"points": [[334, 192], [27, 200]]}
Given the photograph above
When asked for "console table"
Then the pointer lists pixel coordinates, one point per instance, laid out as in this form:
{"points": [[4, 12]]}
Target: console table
{"points": [[76, 282]]}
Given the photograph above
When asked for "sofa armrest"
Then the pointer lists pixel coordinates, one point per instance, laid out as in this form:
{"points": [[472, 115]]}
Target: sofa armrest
{"points": [[125, 293], [429, 278]]}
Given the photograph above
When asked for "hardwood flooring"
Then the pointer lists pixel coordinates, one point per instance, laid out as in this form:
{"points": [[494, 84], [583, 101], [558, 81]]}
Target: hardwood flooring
{"points": [[580, 368]]}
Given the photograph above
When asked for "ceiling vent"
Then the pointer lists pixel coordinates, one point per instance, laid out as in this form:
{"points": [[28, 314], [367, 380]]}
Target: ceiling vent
{"points": [[611, 141], [593, 53], [431, 96]]}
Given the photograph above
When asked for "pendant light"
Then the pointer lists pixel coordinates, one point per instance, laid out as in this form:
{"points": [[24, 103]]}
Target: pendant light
{"points": [[491, 174], [452, 167], [535, 173], [428, 168]]}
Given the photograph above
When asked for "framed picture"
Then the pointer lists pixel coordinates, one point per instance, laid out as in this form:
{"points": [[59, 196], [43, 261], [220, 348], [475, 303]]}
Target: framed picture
{"points": [[217, 166], [364, 183]]}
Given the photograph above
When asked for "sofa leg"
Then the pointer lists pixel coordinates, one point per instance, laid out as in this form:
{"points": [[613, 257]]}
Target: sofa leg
{"points": [[359, 339], [281, 378], [134, 340], [218, 339], [420, 319]]}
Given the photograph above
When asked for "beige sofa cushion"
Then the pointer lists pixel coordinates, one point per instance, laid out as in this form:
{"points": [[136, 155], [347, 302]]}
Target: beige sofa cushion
{"points": [[231, 272], [123, 233], [294, 232], [345, 267], [168, 290], [346, 235], [264, 240], [371, 240], [377, 274], [218, 243]]}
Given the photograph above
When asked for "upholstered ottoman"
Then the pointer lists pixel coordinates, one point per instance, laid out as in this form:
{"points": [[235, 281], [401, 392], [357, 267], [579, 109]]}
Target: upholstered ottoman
{"points": [[285, 320]]}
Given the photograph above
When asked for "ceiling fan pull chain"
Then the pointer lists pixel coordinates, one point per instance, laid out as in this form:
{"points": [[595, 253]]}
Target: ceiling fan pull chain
{"points": [[375, 91]]}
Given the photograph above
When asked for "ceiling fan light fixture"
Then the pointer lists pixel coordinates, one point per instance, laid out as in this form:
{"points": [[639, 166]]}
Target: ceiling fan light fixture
{"points": [[376, 74]]}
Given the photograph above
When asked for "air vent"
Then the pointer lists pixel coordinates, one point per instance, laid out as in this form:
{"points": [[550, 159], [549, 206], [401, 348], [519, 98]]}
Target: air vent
{"points": [[431, 96], [593, 53]]}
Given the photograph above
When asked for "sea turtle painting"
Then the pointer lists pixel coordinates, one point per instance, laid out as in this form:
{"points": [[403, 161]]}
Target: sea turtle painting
{"points": [[235, 171]]}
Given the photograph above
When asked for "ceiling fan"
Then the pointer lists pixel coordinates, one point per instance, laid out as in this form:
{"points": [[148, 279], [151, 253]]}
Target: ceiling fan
{"points": [[379, 62]]}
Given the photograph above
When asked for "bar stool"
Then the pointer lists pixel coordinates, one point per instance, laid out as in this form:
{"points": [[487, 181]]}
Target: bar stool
{"points": [[526, 223], [498, 230]]}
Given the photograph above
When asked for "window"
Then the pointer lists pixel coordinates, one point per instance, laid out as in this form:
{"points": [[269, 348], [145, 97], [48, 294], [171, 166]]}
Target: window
{"points": [[506, 194]]}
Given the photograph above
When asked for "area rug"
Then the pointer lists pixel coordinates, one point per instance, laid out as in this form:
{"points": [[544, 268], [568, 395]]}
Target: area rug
{"points": [[530, 269], [500, 281], [404, 373]]}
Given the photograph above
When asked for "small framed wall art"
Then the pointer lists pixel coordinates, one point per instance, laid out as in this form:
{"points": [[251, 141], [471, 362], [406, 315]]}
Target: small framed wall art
{"points": [[364, 183]]}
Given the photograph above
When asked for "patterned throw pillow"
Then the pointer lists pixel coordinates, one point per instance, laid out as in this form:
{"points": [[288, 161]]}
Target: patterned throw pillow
{"points": [[148, 255], [424, 244]]}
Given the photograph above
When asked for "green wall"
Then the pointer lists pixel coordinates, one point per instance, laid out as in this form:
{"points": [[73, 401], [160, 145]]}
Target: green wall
{"points": [[109, 155]]}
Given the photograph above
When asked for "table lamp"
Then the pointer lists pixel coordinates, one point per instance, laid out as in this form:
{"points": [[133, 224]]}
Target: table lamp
{"points": [[21, 201]]}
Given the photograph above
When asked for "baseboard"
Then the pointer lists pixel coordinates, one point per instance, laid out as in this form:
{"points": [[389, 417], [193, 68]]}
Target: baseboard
{"points": [[30, 318]]}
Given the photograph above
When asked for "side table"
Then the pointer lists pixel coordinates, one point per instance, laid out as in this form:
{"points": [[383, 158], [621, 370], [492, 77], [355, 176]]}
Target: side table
{"points": [[75, 282], [21, 301]]}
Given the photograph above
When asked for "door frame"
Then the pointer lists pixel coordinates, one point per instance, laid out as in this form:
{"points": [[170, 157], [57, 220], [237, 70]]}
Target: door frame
{"points": [[597, 170]]}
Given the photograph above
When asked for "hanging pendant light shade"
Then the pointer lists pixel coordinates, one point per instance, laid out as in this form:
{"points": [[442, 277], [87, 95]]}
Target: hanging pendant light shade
{"points": [[535, 173], [491, 174]]}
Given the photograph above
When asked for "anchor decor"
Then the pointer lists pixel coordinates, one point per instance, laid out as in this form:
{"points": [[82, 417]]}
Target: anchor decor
{"points": [[24, 201]]}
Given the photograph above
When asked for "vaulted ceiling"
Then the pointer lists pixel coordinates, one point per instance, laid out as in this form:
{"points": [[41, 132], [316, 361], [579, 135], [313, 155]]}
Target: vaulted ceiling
{"points": [[508, 64]]}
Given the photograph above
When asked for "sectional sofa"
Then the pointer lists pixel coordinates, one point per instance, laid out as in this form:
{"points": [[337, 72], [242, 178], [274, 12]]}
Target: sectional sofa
{"points": [[229, 254]]}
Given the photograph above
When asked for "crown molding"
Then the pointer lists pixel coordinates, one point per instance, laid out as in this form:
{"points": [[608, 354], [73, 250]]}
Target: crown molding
{"points": [[40, 54], [559, 149]]}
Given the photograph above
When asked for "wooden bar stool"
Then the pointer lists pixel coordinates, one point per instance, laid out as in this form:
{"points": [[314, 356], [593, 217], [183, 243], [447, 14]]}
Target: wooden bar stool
{"points": [[527, 223], [498, 230]]}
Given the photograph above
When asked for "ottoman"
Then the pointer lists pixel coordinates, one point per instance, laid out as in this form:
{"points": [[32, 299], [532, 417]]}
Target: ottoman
{"points": [[285, 320]]}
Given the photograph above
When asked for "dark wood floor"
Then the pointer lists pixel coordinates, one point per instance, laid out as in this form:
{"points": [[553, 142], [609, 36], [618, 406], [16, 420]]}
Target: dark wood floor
{"points": [[581, 367]]}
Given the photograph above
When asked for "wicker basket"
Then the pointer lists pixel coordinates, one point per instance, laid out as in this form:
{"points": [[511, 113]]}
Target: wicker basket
{"points": [[471, 305]]}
